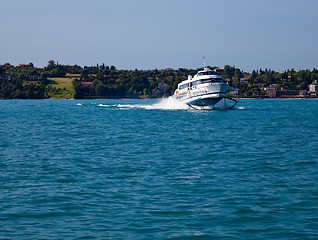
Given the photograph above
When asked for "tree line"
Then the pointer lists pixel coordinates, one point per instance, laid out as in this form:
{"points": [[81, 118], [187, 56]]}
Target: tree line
{"points": [[101, 81]]}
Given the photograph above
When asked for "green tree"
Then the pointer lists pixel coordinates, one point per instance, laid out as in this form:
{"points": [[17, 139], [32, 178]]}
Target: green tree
{"points": [[2, 70], [51, 65]]}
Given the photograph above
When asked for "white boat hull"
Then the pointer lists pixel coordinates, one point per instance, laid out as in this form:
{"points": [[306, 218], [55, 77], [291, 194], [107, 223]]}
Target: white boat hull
{"points": [[204, 96], [206, 99]]}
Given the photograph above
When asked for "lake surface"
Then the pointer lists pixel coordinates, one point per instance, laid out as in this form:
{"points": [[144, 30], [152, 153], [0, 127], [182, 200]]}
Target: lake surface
{"points": [[139, 169]]}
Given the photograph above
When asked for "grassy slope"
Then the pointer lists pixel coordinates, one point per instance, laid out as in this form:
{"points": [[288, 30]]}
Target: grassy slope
{"points": [[61, 88]]}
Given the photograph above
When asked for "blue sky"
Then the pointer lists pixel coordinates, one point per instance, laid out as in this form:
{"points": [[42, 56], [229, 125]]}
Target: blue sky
{"points": [[146, 34]]}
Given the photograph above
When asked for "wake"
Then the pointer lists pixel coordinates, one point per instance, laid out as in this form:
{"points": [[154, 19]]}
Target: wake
{"points": [[167, 104], [164, 104]]}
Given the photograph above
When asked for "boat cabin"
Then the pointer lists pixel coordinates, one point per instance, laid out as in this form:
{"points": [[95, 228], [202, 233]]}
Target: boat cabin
{"points": [[200, 81], [208, 72], [206, 76]]}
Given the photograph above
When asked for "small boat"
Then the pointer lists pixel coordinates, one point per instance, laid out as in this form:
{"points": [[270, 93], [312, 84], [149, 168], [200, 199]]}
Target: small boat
{"points": [[204, 89]]}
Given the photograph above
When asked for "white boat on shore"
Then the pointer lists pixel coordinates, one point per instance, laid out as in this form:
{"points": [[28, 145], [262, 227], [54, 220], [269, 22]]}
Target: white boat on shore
{"points": [[205, 89]]}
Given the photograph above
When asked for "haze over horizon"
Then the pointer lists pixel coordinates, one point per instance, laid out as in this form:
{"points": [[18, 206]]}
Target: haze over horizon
{"points": [[143, 34]]}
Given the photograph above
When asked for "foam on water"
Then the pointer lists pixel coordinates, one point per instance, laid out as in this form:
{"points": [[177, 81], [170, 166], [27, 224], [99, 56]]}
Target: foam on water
{"points": [[165, 103], [170, 104], [108, 105]]}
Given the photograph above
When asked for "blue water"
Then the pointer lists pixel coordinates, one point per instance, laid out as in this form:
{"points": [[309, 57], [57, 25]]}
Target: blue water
{"points": [[130, 169]]}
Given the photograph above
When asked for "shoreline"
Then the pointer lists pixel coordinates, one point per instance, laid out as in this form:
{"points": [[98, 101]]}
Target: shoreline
{"points": [[312, 98]]}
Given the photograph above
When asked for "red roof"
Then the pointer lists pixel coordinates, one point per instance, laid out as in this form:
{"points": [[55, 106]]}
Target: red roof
{"points": [[87, 83]]}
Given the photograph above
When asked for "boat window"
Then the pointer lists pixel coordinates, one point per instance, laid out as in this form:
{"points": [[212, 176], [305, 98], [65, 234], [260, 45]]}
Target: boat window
{"points": [[201, 81], [212, 80], [197, 82], [207, 73], [182, 86]]}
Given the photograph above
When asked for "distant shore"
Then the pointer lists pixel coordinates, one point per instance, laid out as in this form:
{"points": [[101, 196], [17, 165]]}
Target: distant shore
{"points": [[56, 81]]}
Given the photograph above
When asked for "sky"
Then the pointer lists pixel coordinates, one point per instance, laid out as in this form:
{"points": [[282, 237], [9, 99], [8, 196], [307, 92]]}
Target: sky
{"points": [[149, 34]]}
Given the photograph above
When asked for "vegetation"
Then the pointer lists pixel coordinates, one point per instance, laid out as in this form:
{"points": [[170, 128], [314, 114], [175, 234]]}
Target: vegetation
{"points": [[64, 81], [60, 88]]}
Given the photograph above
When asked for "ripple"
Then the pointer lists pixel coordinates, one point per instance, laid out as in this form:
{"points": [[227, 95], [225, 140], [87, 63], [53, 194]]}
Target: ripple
{"points": [[148, 172]]}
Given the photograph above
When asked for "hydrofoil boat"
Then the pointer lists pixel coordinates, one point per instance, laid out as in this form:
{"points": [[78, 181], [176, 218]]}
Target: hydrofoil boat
{"points": [[205, 89]]}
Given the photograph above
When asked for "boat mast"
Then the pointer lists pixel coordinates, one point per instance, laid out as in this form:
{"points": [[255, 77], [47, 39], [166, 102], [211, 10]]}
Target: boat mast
{"points": [[204, 66]]}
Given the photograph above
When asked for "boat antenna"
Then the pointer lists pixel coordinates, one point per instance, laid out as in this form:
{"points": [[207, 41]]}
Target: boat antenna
{"points": [[204, 62]]}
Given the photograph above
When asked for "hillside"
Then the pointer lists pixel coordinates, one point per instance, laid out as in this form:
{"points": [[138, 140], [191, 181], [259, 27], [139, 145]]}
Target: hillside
{"points": [[58, 81]]}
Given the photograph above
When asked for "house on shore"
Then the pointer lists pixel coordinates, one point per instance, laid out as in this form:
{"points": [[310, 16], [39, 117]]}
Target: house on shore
{"points": [[313, 88], [234, 92], [162, 86], [272, 93], [26, 65], [88, 84]]}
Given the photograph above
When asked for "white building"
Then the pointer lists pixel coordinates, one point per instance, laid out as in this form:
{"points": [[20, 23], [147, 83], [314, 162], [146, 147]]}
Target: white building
{"points": [[313, 88]]}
